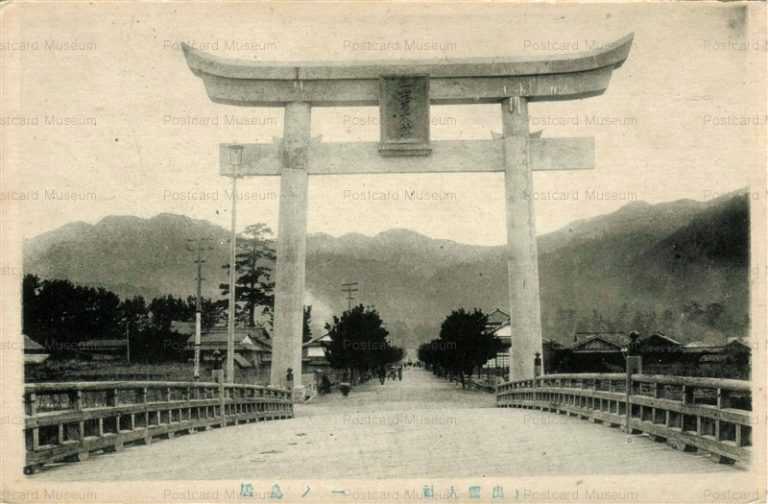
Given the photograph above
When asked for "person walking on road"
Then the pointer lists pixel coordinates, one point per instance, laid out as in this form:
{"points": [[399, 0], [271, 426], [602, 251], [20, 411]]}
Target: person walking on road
{"points": [[382, 374]]}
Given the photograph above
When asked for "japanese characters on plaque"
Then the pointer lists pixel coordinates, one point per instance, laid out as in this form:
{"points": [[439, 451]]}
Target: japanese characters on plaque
{"points": [[404, 109]]}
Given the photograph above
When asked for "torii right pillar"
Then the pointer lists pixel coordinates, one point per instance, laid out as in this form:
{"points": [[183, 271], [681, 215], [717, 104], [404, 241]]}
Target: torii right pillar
{"points": [[522, 250]]}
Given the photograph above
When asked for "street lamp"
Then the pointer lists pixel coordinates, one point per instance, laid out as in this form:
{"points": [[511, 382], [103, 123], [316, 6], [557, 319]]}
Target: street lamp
{"points": [[235, 158]]}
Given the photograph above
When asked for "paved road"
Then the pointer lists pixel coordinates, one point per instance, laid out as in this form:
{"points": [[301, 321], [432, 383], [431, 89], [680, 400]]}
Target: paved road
{"points": [[420, 427]]}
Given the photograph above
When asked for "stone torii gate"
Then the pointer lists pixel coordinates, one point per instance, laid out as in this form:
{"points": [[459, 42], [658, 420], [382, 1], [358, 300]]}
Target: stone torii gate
{"points": [[404, 90]]}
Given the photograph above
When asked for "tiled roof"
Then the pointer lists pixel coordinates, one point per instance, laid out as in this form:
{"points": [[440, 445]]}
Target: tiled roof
{"points": [[250, 338], [498, 316], [102, 343], [659, 335], [740, 341], [219, 334], [241, 361], [31, 345], [616, 339], [316, 340]]}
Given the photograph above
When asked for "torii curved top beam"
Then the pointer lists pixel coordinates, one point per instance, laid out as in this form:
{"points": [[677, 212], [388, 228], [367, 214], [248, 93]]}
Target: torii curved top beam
{"points": [[472, 80]]}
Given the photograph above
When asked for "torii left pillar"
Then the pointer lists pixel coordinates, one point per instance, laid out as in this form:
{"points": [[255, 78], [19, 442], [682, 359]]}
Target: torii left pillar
{"points": [[290, 267]]}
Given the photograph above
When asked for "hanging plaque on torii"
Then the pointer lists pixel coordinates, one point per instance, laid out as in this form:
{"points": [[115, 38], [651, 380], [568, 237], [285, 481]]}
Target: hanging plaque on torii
{"points": [[404, 113], [404, 91]]}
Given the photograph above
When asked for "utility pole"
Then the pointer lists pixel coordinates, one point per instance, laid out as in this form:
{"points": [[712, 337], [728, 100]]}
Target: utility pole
{"points": [[128, 341], [349, 288], [235, 159], [198, 301]]}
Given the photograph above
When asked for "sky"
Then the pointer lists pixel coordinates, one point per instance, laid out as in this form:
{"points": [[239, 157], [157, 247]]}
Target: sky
{"points": [[103, 116]]}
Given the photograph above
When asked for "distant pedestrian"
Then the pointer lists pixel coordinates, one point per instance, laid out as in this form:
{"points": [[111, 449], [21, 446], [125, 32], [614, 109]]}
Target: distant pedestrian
{"points": [[325, 385], [400, 373]]}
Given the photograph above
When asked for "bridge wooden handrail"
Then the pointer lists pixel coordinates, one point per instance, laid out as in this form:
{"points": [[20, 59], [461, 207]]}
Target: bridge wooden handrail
{"points": [[589, 376], [70, 420], [99, 385], [695, 381], [91, 385], [710, 414]]}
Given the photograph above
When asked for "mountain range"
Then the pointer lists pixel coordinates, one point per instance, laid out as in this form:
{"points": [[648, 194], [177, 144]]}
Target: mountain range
{"points": [[649, 257]]}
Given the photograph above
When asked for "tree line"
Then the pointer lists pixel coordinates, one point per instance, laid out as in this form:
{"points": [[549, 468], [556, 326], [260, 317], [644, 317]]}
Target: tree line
{"points": [[465, 343], [59, 314], [359, 342]]}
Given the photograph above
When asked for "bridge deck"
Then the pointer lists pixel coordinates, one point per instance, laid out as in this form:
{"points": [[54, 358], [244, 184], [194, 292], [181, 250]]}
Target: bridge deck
{"points": [[420, 427]]}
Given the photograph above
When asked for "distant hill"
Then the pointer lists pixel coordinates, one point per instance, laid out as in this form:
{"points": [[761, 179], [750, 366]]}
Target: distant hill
{"points": [[651, 257], [702, 258], [128, 255]]}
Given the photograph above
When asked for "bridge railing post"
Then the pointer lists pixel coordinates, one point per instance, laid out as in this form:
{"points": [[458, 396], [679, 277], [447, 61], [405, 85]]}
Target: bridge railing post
{"points": [[219, 373], [634, 365], [537, 381]]}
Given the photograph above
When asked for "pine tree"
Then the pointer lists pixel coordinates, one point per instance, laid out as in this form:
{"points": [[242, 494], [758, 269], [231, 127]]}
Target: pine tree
{"points": [[253, 264]]}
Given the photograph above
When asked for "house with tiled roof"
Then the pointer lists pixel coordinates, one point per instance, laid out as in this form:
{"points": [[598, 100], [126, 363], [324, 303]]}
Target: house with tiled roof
{"points": [[502, 331], [313, 351], [496, 319], [253, 347]]}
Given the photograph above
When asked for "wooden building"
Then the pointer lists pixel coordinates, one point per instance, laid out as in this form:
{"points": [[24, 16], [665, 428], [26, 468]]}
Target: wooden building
{"points": [[109, 349], [314, 351], [253, 347], [496, 319]]}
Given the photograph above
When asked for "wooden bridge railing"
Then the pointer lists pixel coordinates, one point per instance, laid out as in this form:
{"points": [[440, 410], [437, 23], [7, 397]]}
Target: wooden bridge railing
{"points": [[709, 414], [68, 421]]}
